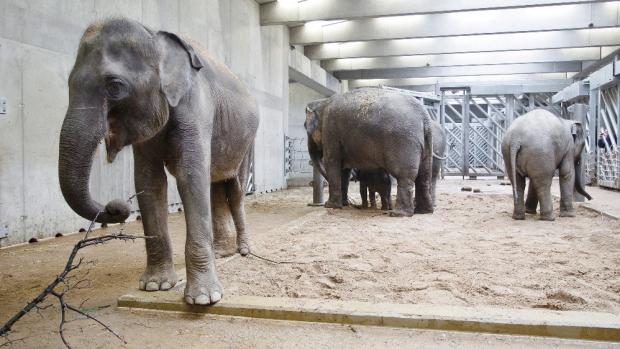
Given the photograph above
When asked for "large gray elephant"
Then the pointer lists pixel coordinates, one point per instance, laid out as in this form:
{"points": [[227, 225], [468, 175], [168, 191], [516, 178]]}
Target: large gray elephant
{"points": [[439, 154], [372, 129], [534, 146], [179, 109]]}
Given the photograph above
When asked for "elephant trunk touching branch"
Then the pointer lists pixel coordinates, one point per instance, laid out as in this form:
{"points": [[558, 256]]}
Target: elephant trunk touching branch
{"points": [[535, 146], [180, 110]]}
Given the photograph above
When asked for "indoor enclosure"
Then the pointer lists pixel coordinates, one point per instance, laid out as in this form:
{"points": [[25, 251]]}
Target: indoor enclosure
{"points": [[310, 173]]}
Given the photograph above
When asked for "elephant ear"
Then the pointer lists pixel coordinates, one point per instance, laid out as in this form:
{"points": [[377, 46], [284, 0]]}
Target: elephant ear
{"points": [[576, 130], [312, 122], [177, 64]]}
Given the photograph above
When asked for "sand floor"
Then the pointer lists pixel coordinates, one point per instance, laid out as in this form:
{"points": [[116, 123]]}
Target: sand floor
{"points": [[470, 252]]}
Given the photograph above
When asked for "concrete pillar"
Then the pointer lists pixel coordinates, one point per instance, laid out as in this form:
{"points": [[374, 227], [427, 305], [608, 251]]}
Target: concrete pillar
{"points": [[317, 187]]}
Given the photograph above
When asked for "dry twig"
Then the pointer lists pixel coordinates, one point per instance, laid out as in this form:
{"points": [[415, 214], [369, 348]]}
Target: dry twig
{"points": [[64, 281]]}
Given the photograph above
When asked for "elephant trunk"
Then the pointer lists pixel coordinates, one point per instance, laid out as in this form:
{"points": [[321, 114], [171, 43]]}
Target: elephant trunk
{"points": [[579, 187], [82, 130], [316, 156]]}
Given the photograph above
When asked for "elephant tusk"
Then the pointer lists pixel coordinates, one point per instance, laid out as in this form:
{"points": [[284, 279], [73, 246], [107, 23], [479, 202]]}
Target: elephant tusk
{"points": [[440, 157]]}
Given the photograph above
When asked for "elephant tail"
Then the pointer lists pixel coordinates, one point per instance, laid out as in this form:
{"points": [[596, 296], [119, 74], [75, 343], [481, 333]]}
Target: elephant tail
{"points": [[428, 140], [514, 149]]}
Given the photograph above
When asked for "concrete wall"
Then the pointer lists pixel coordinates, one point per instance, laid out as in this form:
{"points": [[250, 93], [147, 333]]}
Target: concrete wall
{"points": [[38, 42], [299, 96]]}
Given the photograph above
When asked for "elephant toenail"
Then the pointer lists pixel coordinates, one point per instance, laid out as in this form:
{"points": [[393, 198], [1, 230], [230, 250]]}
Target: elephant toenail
{"points": [[165, 286], [152, 286], [202, 299], [215, 296], [189, 300]]}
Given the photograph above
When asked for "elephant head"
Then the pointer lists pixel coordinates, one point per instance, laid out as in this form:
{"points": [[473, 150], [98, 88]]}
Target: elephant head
{"points": [[125, 81], [314, 124], [579, 143]]}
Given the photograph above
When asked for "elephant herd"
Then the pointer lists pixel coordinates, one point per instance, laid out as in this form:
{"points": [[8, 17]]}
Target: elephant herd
{"points": [[183, 111]]}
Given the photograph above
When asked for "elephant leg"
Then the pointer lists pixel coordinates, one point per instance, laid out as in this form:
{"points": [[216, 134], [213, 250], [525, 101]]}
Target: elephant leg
{"points": [[404, 197], [235, 190], [150, 179], [385, 197], [194, 185], [423, 196], [344, 185], [532, 199], [433, 187], [567, 187], [364, 194], [519, 192], [334, 174], [224, 235], [373, 198], [543, 191]]}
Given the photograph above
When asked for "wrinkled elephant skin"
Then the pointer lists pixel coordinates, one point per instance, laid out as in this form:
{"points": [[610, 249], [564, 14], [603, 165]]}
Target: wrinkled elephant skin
{"points": [[535, 146], [179, 109], [373, 129]]}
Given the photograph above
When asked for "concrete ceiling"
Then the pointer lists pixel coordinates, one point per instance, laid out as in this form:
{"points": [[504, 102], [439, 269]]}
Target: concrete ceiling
{"points": [[421, 42]]}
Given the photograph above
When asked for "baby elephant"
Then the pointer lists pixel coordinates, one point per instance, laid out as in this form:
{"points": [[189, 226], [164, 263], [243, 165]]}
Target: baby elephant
{"points": [[535, 145], [372, 182]]}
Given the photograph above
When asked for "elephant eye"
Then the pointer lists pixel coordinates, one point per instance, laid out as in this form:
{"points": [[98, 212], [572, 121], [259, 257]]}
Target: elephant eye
{"points": [[116, 89]]}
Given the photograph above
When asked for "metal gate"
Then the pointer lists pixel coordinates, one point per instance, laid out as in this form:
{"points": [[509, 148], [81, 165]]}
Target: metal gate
{"points": [[250, 186], [474, 128], [476, 124], [608, 159]]}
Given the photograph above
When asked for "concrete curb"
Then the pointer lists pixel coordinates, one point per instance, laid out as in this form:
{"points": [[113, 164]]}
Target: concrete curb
{"points": [[599, 211], [530, 322]]}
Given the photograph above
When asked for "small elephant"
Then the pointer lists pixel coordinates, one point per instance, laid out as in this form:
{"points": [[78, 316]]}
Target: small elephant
{"points": [[535, 145], [439, 154], [180, 110], [372, 182], [373, 128]]}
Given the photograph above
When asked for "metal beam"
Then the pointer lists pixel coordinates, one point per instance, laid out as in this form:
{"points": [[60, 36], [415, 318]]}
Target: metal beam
{"points": [[293, 12], [564, 17], [458, 59], [573, 91], [463, 44], [556, 79], [474, 70]]}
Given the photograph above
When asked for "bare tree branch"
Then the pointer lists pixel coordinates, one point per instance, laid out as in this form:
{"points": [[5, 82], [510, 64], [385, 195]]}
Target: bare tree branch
{"points": [[65, 280]]}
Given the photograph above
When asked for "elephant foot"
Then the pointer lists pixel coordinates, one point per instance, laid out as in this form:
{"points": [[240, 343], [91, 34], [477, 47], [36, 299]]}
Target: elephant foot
{"points": [[547, 217], [423, 210], [530, 210], [203, 288], [158, 279], [568, 213], [400, 213], [519, 216], [244, 248], [224, 251], [331, 204], [374, 206]]}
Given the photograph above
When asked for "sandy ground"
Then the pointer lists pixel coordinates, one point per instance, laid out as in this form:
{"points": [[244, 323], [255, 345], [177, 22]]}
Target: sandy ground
{"points": [[468, 253]]}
